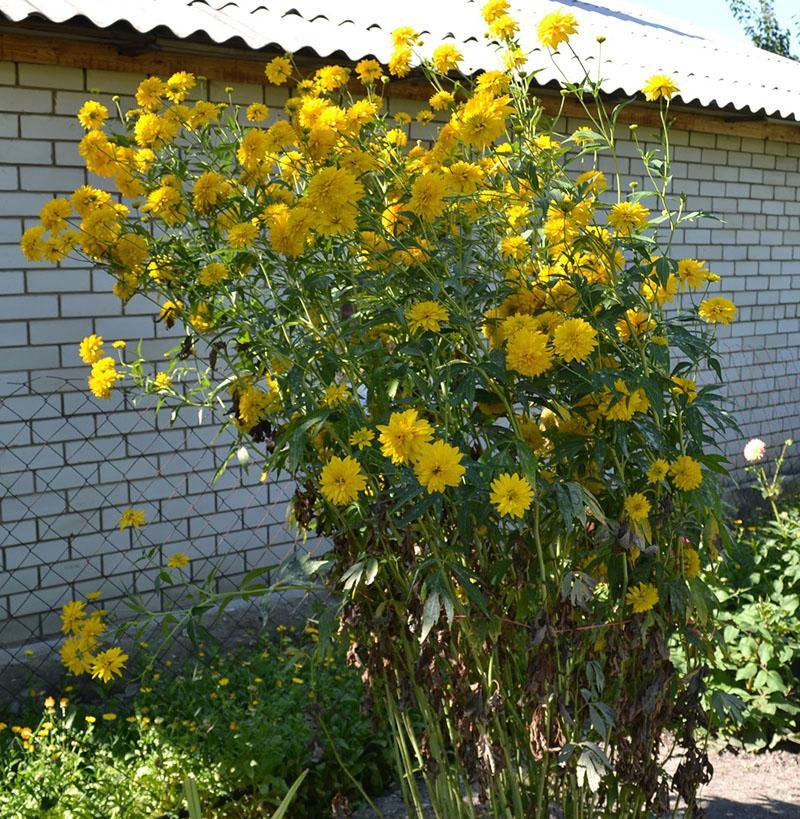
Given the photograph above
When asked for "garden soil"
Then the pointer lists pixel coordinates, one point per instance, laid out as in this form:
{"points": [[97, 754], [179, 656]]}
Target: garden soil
{"points": [[745, 786]]}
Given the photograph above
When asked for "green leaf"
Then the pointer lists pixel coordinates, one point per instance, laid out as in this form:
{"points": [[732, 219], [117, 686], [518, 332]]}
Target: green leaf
{"points": [[289, 798]]}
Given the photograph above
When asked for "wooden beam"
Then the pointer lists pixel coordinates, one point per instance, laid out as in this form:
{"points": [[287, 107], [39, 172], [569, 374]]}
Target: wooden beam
{"points": [[146, 54]]}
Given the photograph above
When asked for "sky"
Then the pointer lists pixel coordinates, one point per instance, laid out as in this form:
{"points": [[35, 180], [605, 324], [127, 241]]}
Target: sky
{"points": [[715, 14]]}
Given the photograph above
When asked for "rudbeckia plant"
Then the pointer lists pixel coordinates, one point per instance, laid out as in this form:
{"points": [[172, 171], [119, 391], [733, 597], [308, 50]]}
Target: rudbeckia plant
{"points": [[479, 361]]}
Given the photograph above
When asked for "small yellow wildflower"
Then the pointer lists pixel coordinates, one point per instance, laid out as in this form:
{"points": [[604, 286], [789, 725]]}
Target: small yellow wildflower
{"points": [[179, 560], [133, 518]]}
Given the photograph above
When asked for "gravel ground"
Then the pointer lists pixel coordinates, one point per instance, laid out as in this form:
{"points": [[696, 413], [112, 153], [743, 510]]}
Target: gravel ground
{"points": [[745, 786]]}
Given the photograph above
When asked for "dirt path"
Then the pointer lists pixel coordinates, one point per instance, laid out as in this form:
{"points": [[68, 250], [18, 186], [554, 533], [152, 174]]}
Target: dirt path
{"points": [[745, 786], [750, 786]]}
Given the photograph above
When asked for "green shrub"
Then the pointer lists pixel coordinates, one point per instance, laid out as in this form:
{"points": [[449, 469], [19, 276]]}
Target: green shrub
{"points": [[244, 725], [758, 656]]}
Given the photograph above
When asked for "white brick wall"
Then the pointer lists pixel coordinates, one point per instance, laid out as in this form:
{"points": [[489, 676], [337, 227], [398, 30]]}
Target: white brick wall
{"points": [[62, 495]]}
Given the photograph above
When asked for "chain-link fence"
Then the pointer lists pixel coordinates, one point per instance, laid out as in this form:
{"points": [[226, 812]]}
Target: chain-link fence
{"points": [[71, 466]]}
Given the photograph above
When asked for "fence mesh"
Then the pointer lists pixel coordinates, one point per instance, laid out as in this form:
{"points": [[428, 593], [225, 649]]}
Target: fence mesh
{"points": [[70, 466]]}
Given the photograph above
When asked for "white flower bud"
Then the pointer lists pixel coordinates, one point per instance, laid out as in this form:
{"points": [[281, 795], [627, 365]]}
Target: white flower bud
{"points": [[754, 451], [243, 456]]}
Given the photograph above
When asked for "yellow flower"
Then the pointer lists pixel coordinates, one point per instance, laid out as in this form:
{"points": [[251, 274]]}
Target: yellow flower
{"points": [[332, 77], [332, 189], [210, 190], [54, 214], [446, 58], [336, 394], [494, 9], [242, 234], [464, 177], [686, 473], [223, 681], [404, 36], [692, 273], [201, 319], [91, 349], [642, 597], [133, 518], [482, 120], [427, 195], [637, 507], [369, 71], [73, 656], [514, 247], [212, 274], [659, 86], [503, 27], [690, 562], [636, 323], [341, 480], [109, 663], [556, 28], [103, 377], [438, 465], [162, 381], [400, 62], [92, 115], [278, 70], [72, 615], [717, 310], [362, 438], [658, 470], [32, 244], [119, 345], [626, 217], [653, 290], [257, 112], [179, 85], [178, 561], [403, 437], [575, 339], [441, 100], [527, 353], [684, 386], [426, 315], [149, 93], [512, 494], [109, 716]]}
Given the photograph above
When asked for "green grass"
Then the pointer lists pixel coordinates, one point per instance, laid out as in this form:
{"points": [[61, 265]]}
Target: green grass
{"points": [[244, 725]]}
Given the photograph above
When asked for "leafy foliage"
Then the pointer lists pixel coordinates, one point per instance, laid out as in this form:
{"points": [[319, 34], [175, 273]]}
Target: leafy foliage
{"points": [[757, 659], [762, 26], [243, 726]]}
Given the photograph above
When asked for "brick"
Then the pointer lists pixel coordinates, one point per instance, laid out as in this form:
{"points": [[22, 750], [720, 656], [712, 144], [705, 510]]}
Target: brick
{"points": [[58, 281], [58, 331], [21, 204], [112, 82], [50, 76], [16, 100], [9, 178], [61, 180], [90, 306], [37, 126]]}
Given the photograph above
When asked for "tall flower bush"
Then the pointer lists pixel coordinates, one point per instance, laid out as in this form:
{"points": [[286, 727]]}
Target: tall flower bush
{"points": [[469, 354]]}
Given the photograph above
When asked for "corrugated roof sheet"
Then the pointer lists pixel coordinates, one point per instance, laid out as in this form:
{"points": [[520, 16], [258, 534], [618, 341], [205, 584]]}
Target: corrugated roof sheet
{"points": [[710, 70]]}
